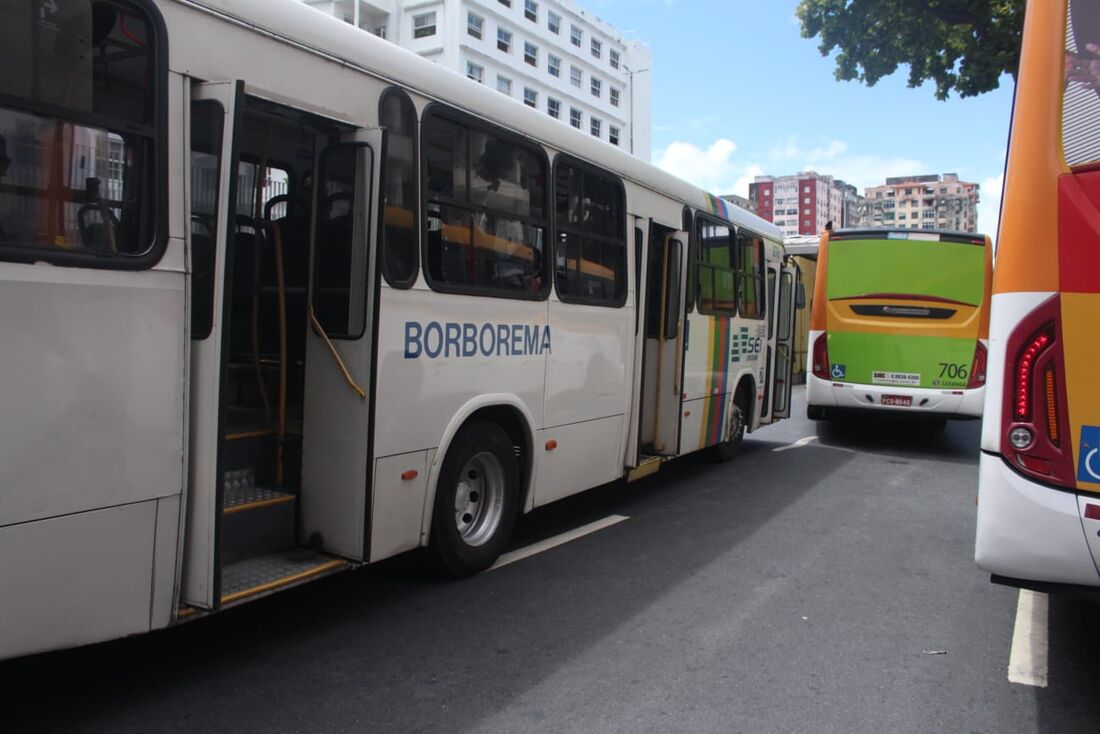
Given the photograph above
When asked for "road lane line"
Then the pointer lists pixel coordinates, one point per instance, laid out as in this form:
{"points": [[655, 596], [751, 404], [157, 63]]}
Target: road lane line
{"points": [[544, 545], [1027, 663], [796, 445]]}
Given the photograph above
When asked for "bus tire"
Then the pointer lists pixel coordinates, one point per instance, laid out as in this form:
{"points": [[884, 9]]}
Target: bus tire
{"points": [[476, 500], [739, 417], [815, 412]]}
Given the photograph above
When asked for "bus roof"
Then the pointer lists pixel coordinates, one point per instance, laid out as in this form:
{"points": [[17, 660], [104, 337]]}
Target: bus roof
{"points": [[903, 233], [298, 24]]}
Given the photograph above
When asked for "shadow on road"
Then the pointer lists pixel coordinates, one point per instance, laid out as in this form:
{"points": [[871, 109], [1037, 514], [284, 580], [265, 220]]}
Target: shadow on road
{"points": [[958, 441], [1073, 664], [391, 648]]}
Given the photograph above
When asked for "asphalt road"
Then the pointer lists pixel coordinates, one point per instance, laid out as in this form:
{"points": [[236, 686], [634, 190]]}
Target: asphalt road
{"points": [[826, 586]]}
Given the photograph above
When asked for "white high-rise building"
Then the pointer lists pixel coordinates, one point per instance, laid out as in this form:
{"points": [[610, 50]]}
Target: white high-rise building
{"points": [[548, 54]]}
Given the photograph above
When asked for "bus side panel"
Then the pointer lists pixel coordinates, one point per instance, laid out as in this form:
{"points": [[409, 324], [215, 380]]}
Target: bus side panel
{"points": [[585, 457], [77, 579]]}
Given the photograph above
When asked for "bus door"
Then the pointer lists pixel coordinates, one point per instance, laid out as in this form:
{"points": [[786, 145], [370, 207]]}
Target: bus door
{"points": [[784, 346], [662, 363], [214, 118], [339, 346], [769, 352]]}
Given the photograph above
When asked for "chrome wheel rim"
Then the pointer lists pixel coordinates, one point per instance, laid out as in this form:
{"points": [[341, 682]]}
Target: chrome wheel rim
{"points": [[479, 498]]}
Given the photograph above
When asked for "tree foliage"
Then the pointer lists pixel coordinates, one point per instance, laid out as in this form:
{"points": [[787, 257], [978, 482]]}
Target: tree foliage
{"points": [[963, 45]]}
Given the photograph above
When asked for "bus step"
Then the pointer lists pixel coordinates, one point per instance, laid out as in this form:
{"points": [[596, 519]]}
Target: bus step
{"points": [[648, 465], [257, 521], [252, 577]]}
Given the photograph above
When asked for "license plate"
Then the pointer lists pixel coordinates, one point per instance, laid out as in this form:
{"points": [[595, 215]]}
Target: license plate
{"points": [[903, 401]]}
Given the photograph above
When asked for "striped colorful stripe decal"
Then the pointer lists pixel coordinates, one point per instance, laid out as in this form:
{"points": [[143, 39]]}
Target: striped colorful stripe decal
{"points": [[718, 349], [717, 206]]}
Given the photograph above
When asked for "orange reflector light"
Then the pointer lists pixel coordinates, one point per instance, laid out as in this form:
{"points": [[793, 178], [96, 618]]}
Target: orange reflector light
{"points": [[410, 474], [551, 445], [1052, 408], [1092, 512], [687, 413]]}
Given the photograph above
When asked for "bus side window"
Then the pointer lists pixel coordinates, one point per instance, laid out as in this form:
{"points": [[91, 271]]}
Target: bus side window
{"points": [[485, 195], [750, 275], [338, 283], [399, 178], [589, 219]]}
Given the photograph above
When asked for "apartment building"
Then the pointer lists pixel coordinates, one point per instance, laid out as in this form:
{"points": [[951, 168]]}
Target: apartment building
{"points": [[548, 54], [922, 202], [803, 203]]}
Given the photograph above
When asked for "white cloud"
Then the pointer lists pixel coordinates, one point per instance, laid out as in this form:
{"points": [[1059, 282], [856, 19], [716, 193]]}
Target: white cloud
{"points": [[989, 208], [712, 169]]}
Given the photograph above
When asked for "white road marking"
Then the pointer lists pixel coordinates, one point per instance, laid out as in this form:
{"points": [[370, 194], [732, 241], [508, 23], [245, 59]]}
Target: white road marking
{"points": [[544, 545], [1027, 663], [796, 445]]}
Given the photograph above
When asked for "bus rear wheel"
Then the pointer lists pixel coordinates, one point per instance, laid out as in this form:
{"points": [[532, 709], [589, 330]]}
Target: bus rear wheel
{"points": [[739, 418], [476, 500]]}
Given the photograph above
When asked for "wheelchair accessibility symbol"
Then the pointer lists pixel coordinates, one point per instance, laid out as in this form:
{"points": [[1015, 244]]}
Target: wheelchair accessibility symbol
{"points": [[840, 371], [1088, 467]]}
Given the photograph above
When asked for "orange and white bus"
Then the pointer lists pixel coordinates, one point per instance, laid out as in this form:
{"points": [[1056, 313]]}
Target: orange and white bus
{"points": [[1039, 488]]}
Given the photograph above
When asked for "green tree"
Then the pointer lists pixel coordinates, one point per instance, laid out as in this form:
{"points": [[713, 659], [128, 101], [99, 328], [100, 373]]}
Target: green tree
{"points": [[965, 45]]}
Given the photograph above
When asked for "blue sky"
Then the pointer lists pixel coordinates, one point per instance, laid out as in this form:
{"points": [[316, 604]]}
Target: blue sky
{"points": [[738, 92]]}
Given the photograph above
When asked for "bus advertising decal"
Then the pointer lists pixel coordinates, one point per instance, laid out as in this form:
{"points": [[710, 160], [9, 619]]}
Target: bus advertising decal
{"points": [[895, 378], [452, 339]]}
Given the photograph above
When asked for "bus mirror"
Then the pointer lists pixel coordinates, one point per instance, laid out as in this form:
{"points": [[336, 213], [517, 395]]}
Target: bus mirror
{"points": [[800, 296]]}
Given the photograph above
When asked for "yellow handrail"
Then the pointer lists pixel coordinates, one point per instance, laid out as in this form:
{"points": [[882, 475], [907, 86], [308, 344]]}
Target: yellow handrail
{"points": [[319, 330]]}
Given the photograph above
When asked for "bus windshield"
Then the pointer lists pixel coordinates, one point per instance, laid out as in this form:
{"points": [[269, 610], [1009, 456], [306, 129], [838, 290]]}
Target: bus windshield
{"points": [[917, 268]]}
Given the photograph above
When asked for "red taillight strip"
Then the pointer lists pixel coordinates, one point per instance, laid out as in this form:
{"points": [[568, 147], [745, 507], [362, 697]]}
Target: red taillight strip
{"points": [[1034, 397], [821, 357], [978, 367], [1025, 364]]}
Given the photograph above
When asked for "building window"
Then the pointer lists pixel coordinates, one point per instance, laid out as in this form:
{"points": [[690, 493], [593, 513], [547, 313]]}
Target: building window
{"points": [[504, 85], [805, 189], [486, 212], [475, 72], [595, 125], [530, 53], [553, 23], [805, 200], [553, 107], [506, 3], [597, 48], [597, 87], [504, 40], [475, 24], [379, 31], [424, 25], [575, 117], [612, 134], [613, 58], [590, 236], [575, 36], [531, 10], [613, 95], [530, 97], [575, 76], [553, 65]]}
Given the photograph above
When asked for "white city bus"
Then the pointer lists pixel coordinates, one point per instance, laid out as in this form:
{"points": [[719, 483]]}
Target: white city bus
{"points": [[281, 299]]}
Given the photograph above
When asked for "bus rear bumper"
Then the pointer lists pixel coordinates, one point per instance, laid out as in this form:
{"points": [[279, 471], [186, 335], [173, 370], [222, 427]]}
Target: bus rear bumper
{"points": [[844, 396], [1029, 532]]}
